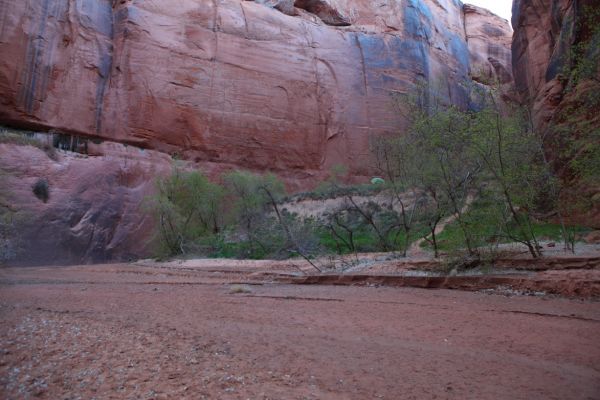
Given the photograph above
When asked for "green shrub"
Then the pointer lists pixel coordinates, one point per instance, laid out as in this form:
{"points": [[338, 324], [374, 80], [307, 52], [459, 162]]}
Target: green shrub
{"points": [[188, 209], [41, 189], [10, 221], [240, 218], [23, 138], [485, 225]]}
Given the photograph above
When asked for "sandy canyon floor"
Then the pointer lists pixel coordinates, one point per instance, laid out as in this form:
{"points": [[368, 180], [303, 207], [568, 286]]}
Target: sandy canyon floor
{"points": [[127, 331]]}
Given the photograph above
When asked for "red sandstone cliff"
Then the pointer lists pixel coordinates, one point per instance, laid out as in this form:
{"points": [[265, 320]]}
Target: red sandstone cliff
{"points": [[489, 39], [548, 36], [237, 82], [556, 66], [95, 211], [289, 86]]}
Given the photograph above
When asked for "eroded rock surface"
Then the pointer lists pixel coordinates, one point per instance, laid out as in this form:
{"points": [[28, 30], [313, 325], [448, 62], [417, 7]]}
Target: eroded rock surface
{"points": [[285, 6], [328, 10], [489, 39], [548, 35], [96, 210], [291, 86], [556, 66], [230, 81]]}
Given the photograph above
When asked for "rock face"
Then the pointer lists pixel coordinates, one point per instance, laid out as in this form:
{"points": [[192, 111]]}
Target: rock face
{"points": [[285, 6], [549, 34], [236, 82], [556, 66], [95, 211], [489, 39], [329, 11], [290, 86], [556, 47]]}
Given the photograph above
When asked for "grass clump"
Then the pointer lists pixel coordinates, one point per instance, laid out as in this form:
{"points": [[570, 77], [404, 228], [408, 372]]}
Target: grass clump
{"points": [[25, 138], [239, 289]]}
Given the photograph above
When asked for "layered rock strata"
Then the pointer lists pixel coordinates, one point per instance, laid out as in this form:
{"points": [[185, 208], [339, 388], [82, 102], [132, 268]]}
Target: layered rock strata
{"points": [[235, 82], [291, 86]]}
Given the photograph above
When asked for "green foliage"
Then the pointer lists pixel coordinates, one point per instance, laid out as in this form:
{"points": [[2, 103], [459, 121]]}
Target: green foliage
{"points": [[41, 189], [346, 230], [481, 172], [481, 220], [573, 137], [587, 164], [21, 138], [432, 158], [267, 229], [249, 194], [9, 223], [450, 156], [585, 52], [333, 187], [363, 238], [189, 211], [239, 218], [327, 190], [485, 224], [550, 231], [584, 151]]}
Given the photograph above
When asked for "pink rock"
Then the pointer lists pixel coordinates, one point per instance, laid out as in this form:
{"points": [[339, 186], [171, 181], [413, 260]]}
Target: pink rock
{"points": [[559, 86], [96, 210], [290, 87], [489, 38], [232, 82]]}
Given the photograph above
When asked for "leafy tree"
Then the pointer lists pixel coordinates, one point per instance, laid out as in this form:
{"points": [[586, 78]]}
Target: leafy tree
{"points": [[255, 199], [343, 230], [430, 160], [250, 197], [188, 208], [514, 170], [448, 156]]}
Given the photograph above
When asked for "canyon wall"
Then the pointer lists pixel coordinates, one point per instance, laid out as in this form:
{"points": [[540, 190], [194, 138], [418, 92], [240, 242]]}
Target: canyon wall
{"points": [[489, 38], [293, 87], [237, 82], [555, 49], [556, 66], [97, 206]]}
